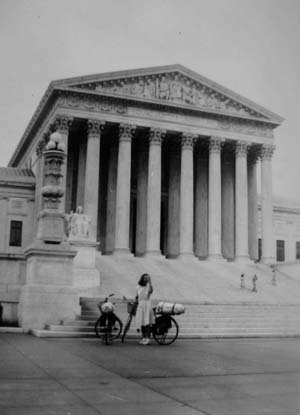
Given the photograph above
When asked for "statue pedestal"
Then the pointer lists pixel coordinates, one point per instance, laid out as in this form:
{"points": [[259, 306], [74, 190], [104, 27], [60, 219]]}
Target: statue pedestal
{"points": [[49, 295], [86, 275]]}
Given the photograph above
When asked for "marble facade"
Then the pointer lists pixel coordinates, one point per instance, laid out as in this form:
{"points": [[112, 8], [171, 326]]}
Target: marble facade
{"points": [[162, 160]]}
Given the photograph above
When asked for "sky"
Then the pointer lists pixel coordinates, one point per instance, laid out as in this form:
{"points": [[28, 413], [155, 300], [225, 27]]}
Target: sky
{"points": [[251, 47]]}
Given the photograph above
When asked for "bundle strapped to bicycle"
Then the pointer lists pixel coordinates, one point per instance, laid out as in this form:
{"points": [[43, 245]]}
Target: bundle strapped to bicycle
{"points": [[172, 309]]}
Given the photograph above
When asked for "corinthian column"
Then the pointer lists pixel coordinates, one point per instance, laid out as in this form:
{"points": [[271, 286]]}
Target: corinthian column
{"points": [[91, 185], [186, 240], [62, 125], [214, 200], [252, 207], [266, 204], [154, 192], [241, 202], [123, 189]]}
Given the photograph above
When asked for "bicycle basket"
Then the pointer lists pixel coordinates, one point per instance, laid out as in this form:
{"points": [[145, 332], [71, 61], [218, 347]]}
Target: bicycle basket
{"points": [[106, 307], [131, 308]]}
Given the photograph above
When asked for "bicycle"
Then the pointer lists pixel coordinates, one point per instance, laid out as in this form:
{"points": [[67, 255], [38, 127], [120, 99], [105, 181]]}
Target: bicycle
{"points": [[108, 327], [165, 329], [131, 310]]}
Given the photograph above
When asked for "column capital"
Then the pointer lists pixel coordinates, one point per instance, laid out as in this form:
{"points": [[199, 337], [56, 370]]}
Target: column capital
{"points": [[63, 123], [126, 132], [156, 135], [188, 140], [241, 148], [267, 151], [253, 154], [94, 127], [215, 144]]}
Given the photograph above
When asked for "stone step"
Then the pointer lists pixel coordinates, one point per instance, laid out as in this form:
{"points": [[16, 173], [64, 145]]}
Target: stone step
{"points": [[200, 320]]}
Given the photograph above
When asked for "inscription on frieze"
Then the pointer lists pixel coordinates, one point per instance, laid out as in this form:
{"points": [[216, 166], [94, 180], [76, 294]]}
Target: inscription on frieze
{"points": [[172, 87], [213, 121]]}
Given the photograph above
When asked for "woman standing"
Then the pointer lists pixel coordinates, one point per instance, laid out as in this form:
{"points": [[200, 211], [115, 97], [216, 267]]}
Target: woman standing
{"points": [[145, 316]]}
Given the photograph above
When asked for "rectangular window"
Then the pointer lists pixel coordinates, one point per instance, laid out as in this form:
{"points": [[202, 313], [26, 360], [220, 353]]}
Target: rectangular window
{"points": [[259, 249], [280, 255], [15, 238], [297, 250]]}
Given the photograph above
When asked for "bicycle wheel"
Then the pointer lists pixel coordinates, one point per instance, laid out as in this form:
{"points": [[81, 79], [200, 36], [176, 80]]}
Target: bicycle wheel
{"points": [[127, 327], [168, 335], [116, 328], [108, 331], [101, 328]]}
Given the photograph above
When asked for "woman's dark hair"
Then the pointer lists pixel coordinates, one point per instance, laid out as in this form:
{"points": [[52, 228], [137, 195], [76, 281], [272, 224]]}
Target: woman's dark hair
{"points": [[143, 280]]}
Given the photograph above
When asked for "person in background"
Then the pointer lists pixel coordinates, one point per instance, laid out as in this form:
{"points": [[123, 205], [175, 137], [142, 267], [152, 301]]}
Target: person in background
{"points": [[145, 316]]}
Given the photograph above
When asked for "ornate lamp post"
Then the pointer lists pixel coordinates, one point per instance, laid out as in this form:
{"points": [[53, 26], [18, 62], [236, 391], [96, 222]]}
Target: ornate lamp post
{"points": [[51, 221]]}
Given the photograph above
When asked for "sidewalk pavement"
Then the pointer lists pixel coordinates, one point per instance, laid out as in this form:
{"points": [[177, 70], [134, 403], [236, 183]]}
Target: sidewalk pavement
{"points": [[190, 377]]}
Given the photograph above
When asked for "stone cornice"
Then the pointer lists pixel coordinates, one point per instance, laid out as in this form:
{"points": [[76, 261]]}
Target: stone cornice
{"points": [[57, 88], [90, 102]]}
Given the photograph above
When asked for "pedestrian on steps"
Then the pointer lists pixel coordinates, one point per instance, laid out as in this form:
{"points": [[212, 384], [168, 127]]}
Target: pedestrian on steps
{"points": [[145, 315]]}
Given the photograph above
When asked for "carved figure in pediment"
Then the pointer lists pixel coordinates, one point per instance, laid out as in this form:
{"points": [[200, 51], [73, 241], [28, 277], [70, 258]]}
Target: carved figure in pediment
{"points": [[175, 89], [189, 93], [125, 88], [210, 102], [163, 88], [149, 89], [138, 88], [201, 99]]}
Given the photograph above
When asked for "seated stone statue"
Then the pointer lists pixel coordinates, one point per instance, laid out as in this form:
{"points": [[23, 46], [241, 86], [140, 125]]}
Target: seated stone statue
{"points": [[79, 225]]}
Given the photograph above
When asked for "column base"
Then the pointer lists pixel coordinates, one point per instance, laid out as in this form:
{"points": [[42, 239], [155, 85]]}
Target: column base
{"points": [[243, 259], [153, 254], [122, 252], [215, 258], [187, 256]]}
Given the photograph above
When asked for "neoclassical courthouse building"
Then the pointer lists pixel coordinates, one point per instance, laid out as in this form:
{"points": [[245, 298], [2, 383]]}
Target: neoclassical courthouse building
{"points": [[163, 161]]}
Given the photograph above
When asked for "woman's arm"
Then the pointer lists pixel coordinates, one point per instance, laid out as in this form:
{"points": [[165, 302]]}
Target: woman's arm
{"points": [[150, 290]]}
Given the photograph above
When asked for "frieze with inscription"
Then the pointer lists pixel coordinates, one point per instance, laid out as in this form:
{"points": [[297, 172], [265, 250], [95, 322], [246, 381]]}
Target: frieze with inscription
{"points": [[172, 88], [213, 121]]}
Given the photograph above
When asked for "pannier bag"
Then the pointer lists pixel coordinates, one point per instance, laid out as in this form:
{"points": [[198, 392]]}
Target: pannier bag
{"points": [[170, 308], [106, 307], [162, 324]]}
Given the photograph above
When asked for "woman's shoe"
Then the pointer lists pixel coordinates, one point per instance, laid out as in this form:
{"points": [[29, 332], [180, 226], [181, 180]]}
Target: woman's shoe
{"points": [[147, 341], [143, 340]]}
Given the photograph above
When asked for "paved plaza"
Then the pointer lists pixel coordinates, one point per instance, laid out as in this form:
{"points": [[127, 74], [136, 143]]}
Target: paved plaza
{"points": [[190, 377]]}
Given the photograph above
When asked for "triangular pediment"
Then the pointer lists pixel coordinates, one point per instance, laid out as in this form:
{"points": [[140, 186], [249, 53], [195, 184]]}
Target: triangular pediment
{"points": [[172, 85]]}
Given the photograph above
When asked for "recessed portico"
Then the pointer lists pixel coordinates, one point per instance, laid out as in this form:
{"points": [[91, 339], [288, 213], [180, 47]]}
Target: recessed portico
{"points": [[164, 162]]}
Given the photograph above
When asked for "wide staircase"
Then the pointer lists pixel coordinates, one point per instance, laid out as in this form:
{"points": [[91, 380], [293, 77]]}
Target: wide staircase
{"points": [[216, 305]]}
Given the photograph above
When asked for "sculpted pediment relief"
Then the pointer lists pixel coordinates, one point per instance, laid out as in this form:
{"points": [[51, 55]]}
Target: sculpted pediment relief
{"points": [[174, 88]]}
